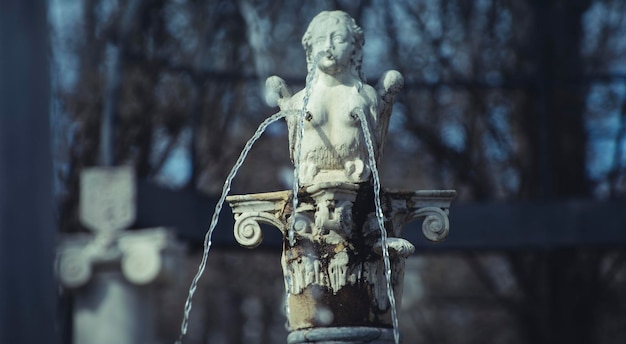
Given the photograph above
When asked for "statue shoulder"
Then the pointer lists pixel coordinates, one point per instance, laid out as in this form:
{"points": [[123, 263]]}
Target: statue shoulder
{"points": [[370, 94], [277, 93], [295, 102]]}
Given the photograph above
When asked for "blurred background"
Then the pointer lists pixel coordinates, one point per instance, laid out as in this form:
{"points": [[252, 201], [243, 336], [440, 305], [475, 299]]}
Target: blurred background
{"points": [[519, 105]]}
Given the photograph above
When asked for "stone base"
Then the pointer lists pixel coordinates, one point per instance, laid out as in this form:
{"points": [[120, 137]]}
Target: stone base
{"points": [[342, 335]]}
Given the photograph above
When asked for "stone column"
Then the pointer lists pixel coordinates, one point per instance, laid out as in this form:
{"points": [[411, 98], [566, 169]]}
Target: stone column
{"points": [[334, 271], [113, 273], [113, 310]]}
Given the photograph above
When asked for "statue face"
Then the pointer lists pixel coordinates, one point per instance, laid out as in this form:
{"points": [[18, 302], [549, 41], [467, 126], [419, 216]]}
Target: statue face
{"points": [[333, 40]]}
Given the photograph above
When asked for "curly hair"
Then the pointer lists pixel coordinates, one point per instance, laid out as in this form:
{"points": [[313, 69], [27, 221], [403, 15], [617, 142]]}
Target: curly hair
{"points": [[356, 33]]}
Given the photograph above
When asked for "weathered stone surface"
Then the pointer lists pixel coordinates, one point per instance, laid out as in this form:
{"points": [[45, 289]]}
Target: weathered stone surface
{"points": [[334, 273]]}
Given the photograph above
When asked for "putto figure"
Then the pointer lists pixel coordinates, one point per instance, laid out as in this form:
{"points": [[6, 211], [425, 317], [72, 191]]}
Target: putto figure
{"points": [[333, 144], [343, 252]]}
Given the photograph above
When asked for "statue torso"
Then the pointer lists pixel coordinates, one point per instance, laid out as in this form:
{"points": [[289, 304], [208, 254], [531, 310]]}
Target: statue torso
{"points": [[333, 145]]}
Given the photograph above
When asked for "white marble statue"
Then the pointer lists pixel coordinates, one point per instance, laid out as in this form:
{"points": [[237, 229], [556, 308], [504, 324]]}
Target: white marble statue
{"points": [[333, 146]]}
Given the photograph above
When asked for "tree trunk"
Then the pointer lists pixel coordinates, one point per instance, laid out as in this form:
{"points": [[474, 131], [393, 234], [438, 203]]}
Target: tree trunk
{"points": [[555, 131], [559, 296]]}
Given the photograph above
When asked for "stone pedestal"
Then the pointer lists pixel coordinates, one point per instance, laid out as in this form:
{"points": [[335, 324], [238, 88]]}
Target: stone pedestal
{"points": [[113, 310], [113, 287], [334, 271], [344, 335]]}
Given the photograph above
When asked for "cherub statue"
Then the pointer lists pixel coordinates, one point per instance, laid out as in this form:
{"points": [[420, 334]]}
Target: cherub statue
{"points": [[333, 144]]}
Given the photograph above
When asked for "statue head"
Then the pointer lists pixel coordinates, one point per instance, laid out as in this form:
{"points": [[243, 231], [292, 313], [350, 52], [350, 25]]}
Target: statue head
{"points": [[329, 19]]}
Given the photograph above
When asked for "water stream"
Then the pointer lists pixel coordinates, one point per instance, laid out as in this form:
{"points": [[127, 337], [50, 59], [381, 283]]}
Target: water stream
{"points": [[381, 222], [298, 144], [216, 214], [297, 155]]}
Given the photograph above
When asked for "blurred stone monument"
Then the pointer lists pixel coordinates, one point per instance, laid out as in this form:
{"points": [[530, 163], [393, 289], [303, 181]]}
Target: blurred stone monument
{"points": [[112, 272]]}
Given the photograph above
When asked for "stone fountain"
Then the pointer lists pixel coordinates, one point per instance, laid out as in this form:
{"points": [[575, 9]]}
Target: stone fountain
{"points": [[343, 246]]}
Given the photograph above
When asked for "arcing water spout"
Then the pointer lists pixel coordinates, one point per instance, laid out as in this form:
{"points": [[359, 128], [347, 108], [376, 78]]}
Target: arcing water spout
{"points": [[297, 151], [380, 218], [216, 214]]}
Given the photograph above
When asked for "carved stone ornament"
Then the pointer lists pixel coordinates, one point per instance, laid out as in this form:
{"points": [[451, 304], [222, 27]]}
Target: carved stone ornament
{"points": [[144, 256], [334, 273]]}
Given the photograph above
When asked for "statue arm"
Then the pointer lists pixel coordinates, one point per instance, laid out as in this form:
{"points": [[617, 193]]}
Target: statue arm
{"points": [[276, 92]]}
